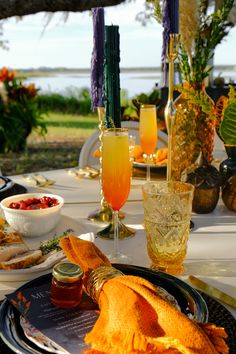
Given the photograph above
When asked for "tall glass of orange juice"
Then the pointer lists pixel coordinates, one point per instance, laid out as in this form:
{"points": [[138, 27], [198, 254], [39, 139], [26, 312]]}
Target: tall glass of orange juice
{"points": [[116, 178], [148, 133]]}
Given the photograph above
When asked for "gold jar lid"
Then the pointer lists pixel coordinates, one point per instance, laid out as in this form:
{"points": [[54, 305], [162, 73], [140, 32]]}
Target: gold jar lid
{"points": [[67, 272]]}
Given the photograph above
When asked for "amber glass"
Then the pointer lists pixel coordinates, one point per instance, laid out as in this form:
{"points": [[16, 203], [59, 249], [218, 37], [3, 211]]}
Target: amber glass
{"points": [[66, 285], [167, 212], [66, 295]]}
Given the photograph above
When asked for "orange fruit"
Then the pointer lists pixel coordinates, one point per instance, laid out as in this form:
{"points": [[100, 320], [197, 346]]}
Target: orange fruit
{"points": [[137, 151], [97, 153], [161, 155]]}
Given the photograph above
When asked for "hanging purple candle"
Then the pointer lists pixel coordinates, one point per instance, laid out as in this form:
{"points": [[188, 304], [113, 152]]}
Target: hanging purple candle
{"points": [[97, 58], [166, 28]]}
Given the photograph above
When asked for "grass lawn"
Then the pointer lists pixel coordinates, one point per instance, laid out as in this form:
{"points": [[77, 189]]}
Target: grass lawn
{"points": [[66, 128], [58, 149]]}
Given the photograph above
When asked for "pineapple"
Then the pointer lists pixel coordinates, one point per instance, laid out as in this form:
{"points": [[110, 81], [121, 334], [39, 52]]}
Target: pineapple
{"points": [[193, 132]]}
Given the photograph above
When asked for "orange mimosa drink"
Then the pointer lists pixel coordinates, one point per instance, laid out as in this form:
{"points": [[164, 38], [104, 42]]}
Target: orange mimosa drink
{"points": [[148, 133], [116, 168], [148, 128]]}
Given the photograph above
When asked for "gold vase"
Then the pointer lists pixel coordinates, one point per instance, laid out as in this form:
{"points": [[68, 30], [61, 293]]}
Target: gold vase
{"points": [[193, 131]]}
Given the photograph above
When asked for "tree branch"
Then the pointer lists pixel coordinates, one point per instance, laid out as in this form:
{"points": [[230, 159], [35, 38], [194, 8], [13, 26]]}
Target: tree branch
{"points": [[10, 8]]}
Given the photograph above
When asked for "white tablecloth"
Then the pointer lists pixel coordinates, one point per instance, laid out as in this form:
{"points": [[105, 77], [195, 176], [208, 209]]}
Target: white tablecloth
{"points": [[212, 245]]}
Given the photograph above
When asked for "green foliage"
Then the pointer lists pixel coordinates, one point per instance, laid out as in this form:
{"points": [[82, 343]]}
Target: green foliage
{"points": [[156, 9], [59, 148], [212, 29], [152, 9], [72, 102], [213, 26], [143, 98], [228, 125], [151, 98], [232, 94], [53, 244], [19, 112], [225, 117], [197, 97]]}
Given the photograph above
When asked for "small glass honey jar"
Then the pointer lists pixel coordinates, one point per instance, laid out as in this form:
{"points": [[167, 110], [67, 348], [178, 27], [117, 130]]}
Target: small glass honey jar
{"points": [[66, 286]]}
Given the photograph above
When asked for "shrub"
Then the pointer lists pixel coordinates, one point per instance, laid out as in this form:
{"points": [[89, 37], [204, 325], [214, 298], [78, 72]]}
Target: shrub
{"points": [[72, 102], [19, 112]]}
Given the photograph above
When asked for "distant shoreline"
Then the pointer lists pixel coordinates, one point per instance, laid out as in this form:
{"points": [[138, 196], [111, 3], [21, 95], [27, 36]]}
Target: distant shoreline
{"points": [[47, 71]]}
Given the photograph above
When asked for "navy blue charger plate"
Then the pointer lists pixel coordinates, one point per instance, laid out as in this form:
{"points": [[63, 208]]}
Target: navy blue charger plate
{"points": [[189, 300]]}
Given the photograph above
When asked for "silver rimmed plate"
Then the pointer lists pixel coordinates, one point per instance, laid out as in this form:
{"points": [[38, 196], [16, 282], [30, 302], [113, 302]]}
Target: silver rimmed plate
{"points": [[189, 301], [65, 223]]}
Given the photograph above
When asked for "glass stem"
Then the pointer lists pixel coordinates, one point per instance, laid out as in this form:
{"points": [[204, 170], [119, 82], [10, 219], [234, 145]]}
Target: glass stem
{"points": [[148, 177], [116, 232]]}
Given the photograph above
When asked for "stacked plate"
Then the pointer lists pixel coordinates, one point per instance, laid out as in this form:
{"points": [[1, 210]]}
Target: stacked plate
{"points": [[23, 338]]}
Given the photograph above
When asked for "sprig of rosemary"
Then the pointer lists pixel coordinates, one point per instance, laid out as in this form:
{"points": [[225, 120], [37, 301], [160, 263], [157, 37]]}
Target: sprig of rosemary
{"points": [[53, 244]]}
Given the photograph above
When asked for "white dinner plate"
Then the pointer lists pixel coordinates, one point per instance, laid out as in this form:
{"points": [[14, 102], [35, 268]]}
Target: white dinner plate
{"points": [[64, 224], [39, 339]]}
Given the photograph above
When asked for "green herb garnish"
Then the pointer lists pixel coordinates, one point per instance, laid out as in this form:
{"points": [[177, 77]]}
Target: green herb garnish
{"points": [[53, 244]]}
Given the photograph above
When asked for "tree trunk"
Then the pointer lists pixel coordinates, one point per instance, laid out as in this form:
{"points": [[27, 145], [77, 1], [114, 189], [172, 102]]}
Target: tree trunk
{"points": [[11, 8]]}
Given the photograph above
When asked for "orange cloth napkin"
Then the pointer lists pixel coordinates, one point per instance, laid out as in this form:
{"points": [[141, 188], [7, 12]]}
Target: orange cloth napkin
{"points": [[134, 319]]}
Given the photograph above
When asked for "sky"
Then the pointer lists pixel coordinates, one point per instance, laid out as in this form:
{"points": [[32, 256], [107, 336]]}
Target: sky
{"points": [[69, 44]]}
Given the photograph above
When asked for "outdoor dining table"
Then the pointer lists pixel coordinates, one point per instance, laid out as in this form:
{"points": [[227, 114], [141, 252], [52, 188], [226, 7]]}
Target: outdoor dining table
{"points": [[211, 253]]}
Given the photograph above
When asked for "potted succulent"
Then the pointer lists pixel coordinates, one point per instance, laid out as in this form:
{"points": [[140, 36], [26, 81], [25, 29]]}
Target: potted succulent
{"points": [[226, 128]]}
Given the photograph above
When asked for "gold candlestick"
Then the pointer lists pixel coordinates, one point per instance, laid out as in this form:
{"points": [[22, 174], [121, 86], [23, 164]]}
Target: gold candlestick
{"points": [[172, 53]]}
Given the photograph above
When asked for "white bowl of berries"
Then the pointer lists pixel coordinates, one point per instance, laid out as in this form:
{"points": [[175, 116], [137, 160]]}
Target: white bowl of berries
{"points": [[32, 214]]}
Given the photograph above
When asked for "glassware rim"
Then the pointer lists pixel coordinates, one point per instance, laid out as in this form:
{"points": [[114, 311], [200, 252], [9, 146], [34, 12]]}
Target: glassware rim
{"points": [[147, 106], [115, 130], [149, 183]]}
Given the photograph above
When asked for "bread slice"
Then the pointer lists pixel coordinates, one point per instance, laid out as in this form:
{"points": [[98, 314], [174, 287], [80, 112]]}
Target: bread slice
{"points": [[25, 260], [11, 250]]}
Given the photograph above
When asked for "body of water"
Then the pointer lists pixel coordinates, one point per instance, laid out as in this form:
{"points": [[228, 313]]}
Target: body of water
{"points": [[134, 82]]}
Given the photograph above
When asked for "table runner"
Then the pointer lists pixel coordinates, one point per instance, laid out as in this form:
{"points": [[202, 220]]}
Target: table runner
{"points": [[218, 314]]}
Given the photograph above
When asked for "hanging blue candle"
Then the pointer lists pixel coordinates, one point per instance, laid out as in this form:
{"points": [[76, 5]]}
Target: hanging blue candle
{"points": [[173, 6], [112, 77], [170, 23], [97, 58]]}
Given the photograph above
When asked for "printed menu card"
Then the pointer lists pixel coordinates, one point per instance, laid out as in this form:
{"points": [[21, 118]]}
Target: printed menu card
{"points": [[66, 327]]}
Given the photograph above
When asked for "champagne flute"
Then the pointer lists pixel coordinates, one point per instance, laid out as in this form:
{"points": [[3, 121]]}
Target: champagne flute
{"points": [[116, 179], [148, 133]]}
